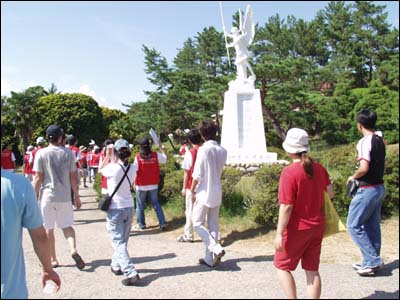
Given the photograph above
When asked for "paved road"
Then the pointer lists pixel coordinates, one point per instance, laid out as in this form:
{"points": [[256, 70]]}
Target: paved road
{"points": [[170, 270]]}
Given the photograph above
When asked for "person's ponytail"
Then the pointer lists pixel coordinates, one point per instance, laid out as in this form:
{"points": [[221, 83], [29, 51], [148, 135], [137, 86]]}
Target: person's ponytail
{"points": [[307, 163]]}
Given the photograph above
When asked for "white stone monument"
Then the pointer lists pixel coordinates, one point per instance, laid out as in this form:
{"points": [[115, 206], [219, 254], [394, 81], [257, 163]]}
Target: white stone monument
{"points": [[243, 134]]}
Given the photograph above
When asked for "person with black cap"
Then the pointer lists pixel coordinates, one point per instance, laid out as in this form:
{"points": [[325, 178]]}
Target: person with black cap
{"points": [[146, 183], [55, 176], [120, 175]]}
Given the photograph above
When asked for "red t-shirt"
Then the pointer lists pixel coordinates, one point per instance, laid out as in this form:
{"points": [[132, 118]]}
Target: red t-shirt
{"points": [[306, 195]]}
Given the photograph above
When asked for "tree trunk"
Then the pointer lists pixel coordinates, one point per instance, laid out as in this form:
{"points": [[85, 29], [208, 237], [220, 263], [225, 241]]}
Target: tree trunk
{"points": [[268, 112]]}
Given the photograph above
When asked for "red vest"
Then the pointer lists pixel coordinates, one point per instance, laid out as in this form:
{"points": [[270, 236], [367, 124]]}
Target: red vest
{"points": [[149, 170], [103, 178], [6, 160], [95, 159], [193, 151], [27, 168], [75, 150]]}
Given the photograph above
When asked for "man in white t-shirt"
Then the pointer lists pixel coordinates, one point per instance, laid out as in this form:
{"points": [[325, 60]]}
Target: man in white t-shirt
{"points": [[55, 176], [120, 213], [206, 192]]}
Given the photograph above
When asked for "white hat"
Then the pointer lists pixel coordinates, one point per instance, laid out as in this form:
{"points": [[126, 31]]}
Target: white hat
{"points": [[296, 141], [40, 140], [29, 149], [121, 143], [92, 142]]}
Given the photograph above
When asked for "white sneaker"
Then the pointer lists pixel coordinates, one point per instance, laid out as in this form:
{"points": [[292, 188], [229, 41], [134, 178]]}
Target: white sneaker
{"points": [[366, 272], [356, 267]]}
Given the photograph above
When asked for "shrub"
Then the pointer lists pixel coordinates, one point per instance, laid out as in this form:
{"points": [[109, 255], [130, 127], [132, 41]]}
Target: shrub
{"points": [[262, 203], [232, 202]]}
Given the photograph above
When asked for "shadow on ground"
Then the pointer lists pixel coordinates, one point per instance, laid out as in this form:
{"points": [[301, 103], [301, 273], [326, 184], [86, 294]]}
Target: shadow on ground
{"points": [[230, 265], [235, 235]]}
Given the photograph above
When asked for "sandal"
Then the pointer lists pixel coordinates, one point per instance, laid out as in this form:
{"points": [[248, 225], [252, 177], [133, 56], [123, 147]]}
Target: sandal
{"points": [[79, 261]]}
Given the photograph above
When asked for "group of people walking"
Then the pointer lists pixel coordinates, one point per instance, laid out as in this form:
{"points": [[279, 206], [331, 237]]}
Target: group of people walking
{"points": [[300, 225]]}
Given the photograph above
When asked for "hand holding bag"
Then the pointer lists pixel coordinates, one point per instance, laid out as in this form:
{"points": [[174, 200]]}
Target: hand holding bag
{"points": [[104, 203], [333, 224]]}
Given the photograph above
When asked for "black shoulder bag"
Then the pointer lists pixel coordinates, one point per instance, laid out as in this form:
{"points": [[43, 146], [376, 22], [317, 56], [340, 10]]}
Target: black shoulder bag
{"points": [[104, 203]]}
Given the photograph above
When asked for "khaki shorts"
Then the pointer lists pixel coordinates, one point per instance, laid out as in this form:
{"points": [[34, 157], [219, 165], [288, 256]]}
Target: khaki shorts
{"points": [[60, 213]]}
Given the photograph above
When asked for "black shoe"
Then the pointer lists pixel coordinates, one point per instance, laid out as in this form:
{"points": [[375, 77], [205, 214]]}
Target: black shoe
{"points": [[116, 272], [130, 280], [203, 262], [78, 261]]}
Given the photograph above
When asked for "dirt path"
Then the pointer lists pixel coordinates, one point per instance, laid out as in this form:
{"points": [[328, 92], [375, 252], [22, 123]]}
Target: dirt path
{"points": [[170, 270]]}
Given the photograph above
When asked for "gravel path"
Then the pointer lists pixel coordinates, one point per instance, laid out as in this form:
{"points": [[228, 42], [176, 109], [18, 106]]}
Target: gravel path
{"points": [[170, 270]]}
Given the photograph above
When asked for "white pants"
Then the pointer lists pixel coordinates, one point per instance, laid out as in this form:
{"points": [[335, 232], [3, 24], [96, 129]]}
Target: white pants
{"points": [[188, 230], [209, 236]]}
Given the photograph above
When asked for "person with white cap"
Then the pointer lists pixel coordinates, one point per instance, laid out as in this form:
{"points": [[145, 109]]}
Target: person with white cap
{"points": [[41, 143], [28, 172], [301, 222], [120, 175]]}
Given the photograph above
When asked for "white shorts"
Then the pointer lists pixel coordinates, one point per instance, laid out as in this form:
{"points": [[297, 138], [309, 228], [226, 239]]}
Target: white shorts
{"points": [[60, 213]]}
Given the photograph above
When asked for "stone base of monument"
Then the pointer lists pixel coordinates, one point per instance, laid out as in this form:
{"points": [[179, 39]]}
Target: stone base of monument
{"points": [[243, 134]]}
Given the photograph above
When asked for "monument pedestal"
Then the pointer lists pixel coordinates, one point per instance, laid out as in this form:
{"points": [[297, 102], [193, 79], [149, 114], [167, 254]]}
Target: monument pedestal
{"points": [[243, 134]]}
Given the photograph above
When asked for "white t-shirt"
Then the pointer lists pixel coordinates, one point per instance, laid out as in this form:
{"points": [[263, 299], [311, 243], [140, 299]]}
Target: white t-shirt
{"points": [[56, 163], [210, 162], [123, 197]]}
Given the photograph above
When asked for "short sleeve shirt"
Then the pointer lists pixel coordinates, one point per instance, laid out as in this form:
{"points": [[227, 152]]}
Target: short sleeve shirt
{"points": [[123, 197], [305, 194], [19, 209], [56, 164]]}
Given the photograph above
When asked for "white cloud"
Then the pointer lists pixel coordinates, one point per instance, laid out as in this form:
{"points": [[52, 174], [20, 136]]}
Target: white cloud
{"points": [[5, 88], [86, 90]]}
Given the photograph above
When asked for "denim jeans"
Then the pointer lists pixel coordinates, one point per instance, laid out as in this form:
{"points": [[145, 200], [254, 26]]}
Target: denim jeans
{"points": [[363, 223], [141, 197], [119, 222]]}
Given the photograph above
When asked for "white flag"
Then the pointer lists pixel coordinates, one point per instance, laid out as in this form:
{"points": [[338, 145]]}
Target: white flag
{"points": [[154, 136]]}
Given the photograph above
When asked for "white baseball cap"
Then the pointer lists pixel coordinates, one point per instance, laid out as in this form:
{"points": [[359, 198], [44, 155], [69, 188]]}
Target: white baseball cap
{"points": [[40, 140], [296, 141]]}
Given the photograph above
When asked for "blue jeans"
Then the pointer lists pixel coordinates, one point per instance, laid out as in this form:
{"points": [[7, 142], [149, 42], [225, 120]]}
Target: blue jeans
{"points": [[363, 223], [119, 222], [141, 197]]}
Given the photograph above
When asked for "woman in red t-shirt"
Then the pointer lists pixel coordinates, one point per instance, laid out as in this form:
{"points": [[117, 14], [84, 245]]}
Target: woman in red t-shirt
{"points": [[301, 221]]}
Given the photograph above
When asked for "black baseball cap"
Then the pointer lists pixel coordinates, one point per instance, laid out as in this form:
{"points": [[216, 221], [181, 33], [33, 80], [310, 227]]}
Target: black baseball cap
{"points": [[54, 131]]}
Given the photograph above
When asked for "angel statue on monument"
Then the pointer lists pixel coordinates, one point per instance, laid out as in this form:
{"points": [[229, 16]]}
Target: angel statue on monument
{"points": [[242, 38]]}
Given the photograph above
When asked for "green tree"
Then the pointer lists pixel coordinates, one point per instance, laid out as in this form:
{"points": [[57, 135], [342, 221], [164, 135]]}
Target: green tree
{"points": [[77, 114], [19, 111]]}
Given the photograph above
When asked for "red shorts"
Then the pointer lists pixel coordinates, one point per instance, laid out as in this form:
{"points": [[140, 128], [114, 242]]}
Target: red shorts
{"points": [[300, 244]]}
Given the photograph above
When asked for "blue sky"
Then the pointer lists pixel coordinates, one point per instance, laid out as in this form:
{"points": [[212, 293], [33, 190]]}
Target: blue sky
{"points": [[96, 47]]}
